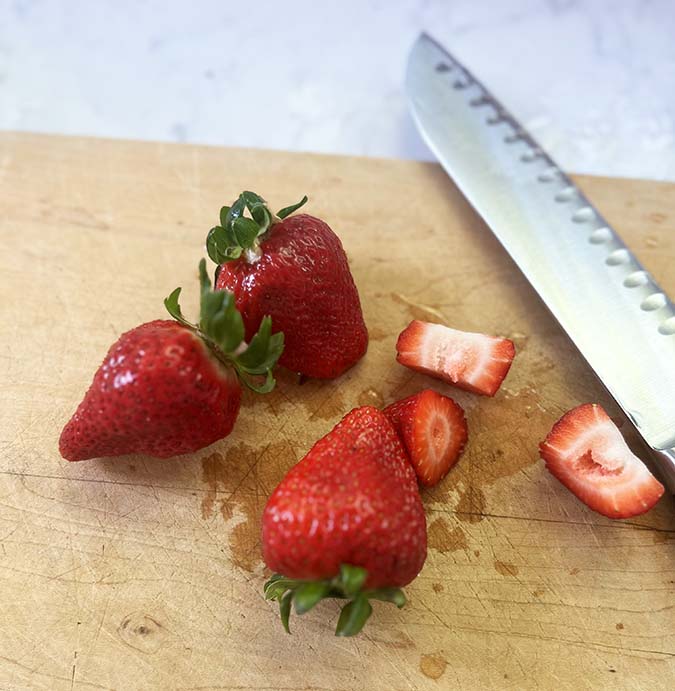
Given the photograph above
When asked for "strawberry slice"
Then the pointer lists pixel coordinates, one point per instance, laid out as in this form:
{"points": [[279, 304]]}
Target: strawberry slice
{"points": [[434, 432], [587, 453], [472, 361]]}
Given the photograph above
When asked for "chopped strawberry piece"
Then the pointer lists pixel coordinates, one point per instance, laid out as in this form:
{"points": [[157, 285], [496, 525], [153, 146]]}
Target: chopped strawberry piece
{"points": [[434, 431], [587, 453], [472, 361]]}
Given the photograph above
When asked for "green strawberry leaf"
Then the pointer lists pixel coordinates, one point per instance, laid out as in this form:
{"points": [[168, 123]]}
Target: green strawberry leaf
{"points": [[245, 231], [235, 211], [277, 585], [263, 351], [215, 245], [173, 308], [222, 328], [260, 356], [251, 198], [221, 245], [346, 585], [261, 215], [256, 383], [238, 232], [219, 318], [352, 578], [393, 595], [285, 609], [353, 616], [309, 594], [224, 210], [288, 210]]}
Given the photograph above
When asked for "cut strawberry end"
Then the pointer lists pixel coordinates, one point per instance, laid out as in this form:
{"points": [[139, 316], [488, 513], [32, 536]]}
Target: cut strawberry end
{"points": [[434, 431], [586, 452], [472, 361]]}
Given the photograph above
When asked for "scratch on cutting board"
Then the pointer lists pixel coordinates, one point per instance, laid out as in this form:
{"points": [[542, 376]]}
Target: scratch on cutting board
{"points": [[72, 676], [390, 660], [418, 310]]}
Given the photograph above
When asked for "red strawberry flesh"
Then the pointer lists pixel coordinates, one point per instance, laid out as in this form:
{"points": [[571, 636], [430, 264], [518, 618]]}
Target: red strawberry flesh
{"points": [[587, 453], [433, 430], [472, 361]]}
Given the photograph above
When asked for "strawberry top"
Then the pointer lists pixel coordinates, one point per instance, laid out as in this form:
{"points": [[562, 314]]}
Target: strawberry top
{"points": [[238, 235], [221, 328]]}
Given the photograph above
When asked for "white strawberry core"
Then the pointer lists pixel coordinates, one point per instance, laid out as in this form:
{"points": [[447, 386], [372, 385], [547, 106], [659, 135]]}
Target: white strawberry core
{"points": [[440, 435], [459, 355]]}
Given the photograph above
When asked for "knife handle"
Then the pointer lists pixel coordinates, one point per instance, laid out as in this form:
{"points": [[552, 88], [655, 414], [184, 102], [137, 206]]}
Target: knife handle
{"points": [[666, 464]]}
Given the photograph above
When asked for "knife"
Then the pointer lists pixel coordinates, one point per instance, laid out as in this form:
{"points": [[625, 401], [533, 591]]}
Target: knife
{"points": [[607, 302]]}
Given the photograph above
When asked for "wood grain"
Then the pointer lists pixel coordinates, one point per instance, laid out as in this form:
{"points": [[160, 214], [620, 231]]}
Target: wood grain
{"points": [[139, 574]]}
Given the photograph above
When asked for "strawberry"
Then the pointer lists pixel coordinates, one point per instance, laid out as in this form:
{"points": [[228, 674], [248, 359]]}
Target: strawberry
{"points": [[587, 453], [433, 430], [295, 270], [171, 387], [347, 521], [472, 361]]}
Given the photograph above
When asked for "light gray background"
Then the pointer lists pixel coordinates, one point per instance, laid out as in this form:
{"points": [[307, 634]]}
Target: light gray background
{"points": [[593, 79]]}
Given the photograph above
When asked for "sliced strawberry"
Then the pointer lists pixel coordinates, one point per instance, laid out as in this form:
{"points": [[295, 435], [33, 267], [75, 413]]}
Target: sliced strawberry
{"points": [[472, 361], [587, 453], [434, 432]]}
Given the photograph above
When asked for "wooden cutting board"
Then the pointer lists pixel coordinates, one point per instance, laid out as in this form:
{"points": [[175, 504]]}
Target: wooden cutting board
{"points": [[146, 574]]}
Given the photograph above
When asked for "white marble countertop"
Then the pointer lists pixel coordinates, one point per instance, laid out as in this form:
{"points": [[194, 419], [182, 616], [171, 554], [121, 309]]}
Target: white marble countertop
{"points": [[593, 79]]}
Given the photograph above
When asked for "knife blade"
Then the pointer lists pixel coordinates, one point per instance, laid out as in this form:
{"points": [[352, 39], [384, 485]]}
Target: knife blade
{"points": [[621, 321]]}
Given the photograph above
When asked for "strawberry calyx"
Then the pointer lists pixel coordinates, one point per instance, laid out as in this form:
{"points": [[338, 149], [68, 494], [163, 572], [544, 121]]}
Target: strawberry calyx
{"points": [[347, 585], [239, 234], [222, 329]]}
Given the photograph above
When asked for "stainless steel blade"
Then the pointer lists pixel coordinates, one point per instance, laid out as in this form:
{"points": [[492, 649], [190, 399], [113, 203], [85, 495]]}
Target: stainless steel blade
{"points": [[613, 310]]}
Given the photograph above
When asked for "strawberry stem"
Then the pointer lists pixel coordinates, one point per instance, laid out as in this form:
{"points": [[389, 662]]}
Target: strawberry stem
{"points": [[347, 585], [239, 235], [222, 329]]}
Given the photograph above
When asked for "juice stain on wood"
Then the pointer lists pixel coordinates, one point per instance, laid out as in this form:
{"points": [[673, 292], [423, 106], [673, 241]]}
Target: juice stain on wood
{"points": [[321, 399], [441, 538], [324, 402], [282, 395], [505, 569], [371, 397], [238, 486], [433, 665], [471, 505], [377, 333], [481, 465]]}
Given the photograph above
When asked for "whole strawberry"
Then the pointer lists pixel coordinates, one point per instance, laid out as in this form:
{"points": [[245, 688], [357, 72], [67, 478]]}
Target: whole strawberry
{"points": [[347, 521], [171, 387], [295, 270]]}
